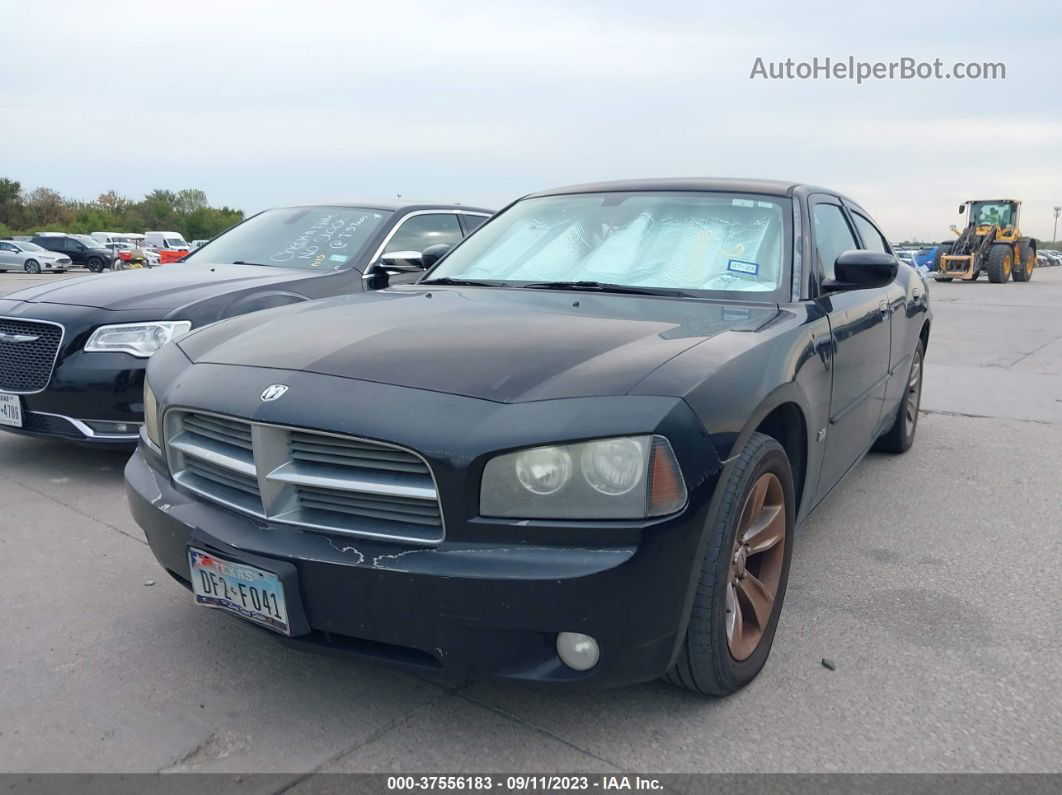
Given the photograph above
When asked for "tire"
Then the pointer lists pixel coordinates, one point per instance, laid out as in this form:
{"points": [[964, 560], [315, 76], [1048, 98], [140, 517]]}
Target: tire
{"points": [[1023, 270], [944, 278], [95, 265], [942, 250], [900, 437], [32, 266], [721, 654], [1000, 263]]}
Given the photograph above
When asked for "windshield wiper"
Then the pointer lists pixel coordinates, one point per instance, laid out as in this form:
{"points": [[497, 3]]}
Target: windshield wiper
{"points": [[242, 262], [603, 287], [457, 282]]}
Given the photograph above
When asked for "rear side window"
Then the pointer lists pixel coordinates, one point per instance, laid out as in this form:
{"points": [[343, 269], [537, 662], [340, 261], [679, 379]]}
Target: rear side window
{"points": [[472, 222], [420, 231], [873, 240], [833, 236]]}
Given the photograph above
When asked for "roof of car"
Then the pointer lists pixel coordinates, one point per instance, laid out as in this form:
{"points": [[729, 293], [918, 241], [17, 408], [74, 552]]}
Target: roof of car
{"points": [[394, 206], [769, 187]]}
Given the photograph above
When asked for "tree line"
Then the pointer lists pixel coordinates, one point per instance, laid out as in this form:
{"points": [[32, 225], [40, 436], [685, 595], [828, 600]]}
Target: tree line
{"points": [[45, 210]]}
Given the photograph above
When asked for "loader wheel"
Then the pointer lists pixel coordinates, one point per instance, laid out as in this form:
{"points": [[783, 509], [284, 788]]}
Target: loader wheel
{"points": [[1000, 260], [1023, 270]]}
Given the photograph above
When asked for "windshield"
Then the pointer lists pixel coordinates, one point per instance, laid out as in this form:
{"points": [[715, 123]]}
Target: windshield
{"points": [[175, 242], [995, 213], [90, 242], [323, 238], [27, 246], [713, 242]]}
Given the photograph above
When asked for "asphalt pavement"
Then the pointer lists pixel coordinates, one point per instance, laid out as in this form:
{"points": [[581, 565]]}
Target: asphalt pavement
{"points": [[930, 580]]}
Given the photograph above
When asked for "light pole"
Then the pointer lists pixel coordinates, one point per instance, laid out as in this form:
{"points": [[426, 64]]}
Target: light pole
{"points": [[1057, 211]]}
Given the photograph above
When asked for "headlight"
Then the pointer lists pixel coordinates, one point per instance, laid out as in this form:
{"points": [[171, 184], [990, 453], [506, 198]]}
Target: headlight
{"points": [[625, 477], [139, 339], [151, 417]]}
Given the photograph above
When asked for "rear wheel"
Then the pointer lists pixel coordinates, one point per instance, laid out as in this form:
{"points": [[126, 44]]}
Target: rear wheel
{"points": [[32, 266], [743, 575], [900, 437], [1000, 263], [1023, 270]]}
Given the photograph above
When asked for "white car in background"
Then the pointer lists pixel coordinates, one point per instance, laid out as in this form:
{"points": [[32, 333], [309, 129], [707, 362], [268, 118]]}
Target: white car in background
{"points": [[29, 257]]}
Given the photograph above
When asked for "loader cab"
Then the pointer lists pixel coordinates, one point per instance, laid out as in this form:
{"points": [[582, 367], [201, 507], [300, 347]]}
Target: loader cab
{"points": [[992, 212]]}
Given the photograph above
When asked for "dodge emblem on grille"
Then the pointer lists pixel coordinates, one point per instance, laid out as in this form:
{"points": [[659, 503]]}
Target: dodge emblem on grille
{"points": [[273, 392], [8, 337]]}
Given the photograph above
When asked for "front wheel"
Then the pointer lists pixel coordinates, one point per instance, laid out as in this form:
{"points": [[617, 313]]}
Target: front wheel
{"points": [[900, 437], [1000, 261], [32, 266], [743, 575], [95, 265]]}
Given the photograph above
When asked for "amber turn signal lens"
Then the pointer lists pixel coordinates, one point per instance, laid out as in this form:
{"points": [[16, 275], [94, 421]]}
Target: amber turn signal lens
{"points": [[667, 489]]}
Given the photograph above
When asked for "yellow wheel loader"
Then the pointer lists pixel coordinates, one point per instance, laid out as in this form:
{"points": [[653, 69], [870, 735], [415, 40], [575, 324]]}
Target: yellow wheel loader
{"points": [[990, 242]]}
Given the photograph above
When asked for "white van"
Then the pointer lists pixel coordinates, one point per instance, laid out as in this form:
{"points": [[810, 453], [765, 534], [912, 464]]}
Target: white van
{"points": [[173, 241], [116, 237]]}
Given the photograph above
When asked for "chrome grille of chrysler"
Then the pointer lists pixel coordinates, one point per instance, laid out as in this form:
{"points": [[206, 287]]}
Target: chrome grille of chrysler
{"points": [[319, 481], [27, 354]]}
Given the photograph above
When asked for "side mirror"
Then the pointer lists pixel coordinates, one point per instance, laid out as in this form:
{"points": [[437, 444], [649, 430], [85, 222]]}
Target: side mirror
{"points": [[408, 261], [862, 270], [433, 254], [962, 208]]}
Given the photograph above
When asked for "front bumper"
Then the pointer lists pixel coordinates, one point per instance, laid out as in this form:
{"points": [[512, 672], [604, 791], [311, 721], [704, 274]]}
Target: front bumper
{"points": [[460, 609], [89, 399]]}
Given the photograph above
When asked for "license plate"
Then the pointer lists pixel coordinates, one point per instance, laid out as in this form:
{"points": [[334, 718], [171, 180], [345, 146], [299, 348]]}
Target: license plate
{"points": [[247, 591], [10, 410]]}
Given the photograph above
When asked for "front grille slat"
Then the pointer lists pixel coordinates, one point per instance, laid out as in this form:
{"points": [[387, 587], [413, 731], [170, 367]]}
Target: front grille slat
{"points": [[318, 481], [28, 350]]}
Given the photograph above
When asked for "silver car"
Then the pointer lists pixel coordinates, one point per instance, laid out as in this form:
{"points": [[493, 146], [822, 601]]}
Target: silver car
{"points": [[31, 258]]}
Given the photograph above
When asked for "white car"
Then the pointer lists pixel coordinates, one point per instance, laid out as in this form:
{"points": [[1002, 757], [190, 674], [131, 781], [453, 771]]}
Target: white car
{"points": [[31, 258]]}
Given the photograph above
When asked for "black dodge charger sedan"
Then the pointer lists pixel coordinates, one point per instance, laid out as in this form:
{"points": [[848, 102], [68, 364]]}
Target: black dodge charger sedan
{"points": [[577, 451], [72, 353]]}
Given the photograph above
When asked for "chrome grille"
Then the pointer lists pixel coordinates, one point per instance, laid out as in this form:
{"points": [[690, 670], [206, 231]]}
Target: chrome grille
{"points": [[28, 349], [318, 481]]}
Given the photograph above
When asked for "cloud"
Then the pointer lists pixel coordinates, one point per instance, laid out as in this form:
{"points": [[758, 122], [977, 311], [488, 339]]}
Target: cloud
{"points": [[272, 102]]}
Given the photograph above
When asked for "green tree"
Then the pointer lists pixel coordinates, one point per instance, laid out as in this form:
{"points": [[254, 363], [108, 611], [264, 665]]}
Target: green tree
{"points": [[10, 190]]}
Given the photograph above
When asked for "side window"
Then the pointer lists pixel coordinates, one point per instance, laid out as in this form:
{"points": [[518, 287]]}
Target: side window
{"points": [[73, 245], [421, 231], [832, 236], [872, 238], [472, 222], [7, 247]]}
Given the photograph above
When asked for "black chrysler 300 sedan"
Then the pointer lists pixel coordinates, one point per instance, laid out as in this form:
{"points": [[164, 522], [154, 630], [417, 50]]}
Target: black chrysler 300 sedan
{"points": [[73, 353], [575, 452]]}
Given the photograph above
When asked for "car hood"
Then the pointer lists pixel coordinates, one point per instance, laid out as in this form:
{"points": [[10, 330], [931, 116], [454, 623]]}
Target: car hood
{"points": [[505, 345], [162, 289]]}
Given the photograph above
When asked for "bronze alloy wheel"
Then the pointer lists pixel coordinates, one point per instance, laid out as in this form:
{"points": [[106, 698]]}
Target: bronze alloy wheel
{"points": [[755, 566], [914, 393]]}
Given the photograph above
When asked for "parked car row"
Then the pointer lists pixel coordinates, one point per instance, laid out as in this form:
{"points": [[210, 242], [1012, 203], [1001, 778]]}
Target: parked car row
{"points": [[1048, 257], [569, 444], [96, 252]]}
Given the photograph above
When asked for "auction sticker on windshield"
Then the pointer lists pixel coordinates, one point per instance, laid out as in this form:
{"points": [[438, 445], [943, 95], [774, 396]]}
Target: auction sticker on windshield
{"points": [[10, 410], [247, 591]]}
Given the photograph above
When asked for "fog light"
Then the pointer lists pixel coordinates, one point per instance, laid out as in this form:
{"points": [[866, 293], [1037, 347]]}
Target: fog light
{"points": [[577, 650]]}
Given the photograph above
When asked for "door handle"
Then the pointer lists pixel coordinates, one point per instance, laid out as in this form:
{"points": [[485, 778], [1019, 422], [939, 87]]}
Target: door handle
{"points": [[883, 307]]}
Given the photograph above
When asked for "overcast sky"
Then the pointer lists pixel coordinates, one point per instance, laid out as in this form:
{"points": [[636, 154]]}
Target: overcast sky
{"points": [[265, 103]]}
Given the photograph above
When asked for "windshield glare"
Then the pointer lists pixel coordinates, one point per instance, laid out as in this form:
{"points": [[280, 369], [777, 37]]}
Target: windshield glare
{"points": [[27, 246], [680, 240], [321, 238]]}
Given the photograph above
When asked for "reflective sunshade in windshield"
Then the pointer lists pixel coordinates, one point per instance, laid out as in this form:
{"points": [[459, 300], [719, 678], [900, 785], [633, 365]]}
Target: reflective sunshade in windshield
{"points": [[322, 238], [714, 242]]}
